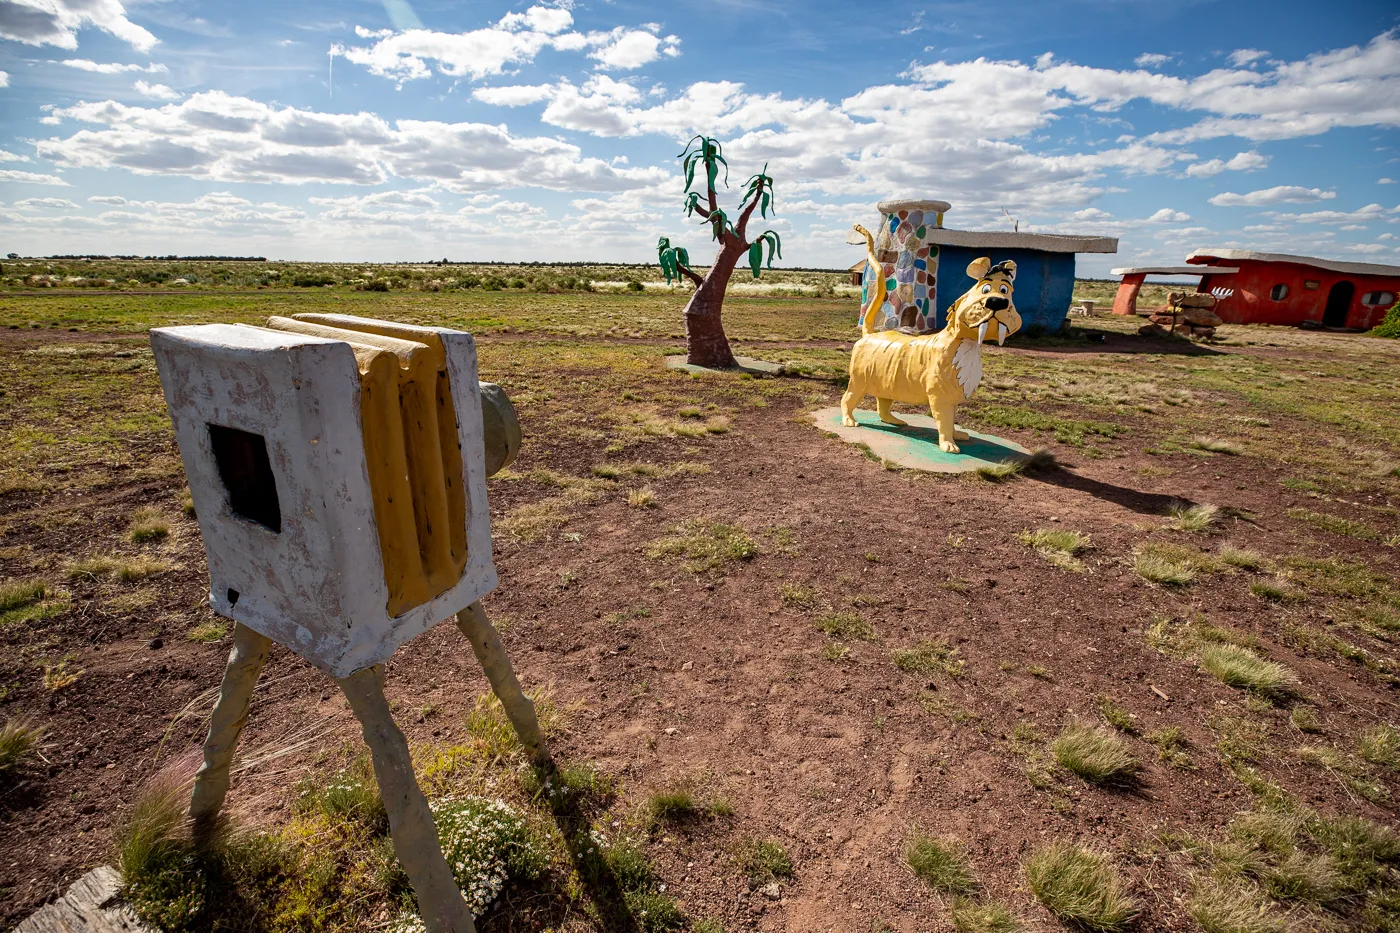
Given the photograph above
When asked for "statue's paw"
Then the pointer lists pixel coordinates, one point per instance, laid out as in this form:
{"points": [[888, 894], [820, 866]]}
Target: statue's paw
{"points": [[950, 447], [961, 435], [897, 422], [849, 422]]}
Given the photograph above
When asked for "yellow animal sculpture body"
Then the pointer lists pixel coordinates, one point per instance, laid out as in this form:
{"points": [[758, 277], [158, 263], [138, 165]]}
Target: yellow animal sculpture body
{"points": [[939, 370]]}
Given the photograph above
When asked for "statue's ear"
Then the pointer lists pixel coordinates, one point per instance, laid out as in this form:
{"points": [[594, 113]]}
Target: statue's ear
{"points": [[978, 267]]}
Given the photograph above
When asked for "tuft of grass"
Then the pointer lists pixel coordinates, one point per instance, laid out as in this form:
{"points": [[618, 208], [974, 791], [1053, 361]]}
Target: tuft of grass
{"points": [[1214, 445], [1335, 524], [641, 498], [1155, 567], [940, 863], [969, 916], [495, 737], [348, 796], [208, 632], [929, 657], [1081, 887], [1243, 558], [1094, 754], [1336, 576], [703, 546], [796, 596], [1275, 592], [187, 502], [148, 525], [1198, 517], [1380, 745], [845, 625], [1304, 719], [1003, 471], [1234, 909], [1346, 769], [1244, 670], [673, 805], [763, 861], [21, 594], [1171, 745], [1115, 715], [58, 677], [18, 741], [1060, 546]]}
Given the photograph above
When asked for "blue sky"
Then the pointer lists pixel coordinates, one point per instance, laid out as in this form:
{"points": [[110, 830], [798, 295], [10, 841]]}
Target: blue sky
{"points": [[409, 129]]}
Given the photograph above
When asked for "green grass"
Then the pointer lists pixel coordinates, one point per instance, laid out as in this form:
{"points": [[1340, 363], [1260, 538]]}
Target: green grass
{"points": [[148, 525], [678, 805], [796, 596], [209, 632], [1198, 517], [1080, 887], [1039, 461], [1242, 558], [1380, 745], [845, 624], [1060, 546], [703, 546], [1336, 576], [19, 740], [20, 594], [1115, 715], [1072, 431], [1335, 524], [1094, 754], [1275, 592], [1233, 909], [970, 916], [763, 861], [1244, 670], [1155, 567], [940, 863], [929, 657], [1304, 719], [1172, 746]]}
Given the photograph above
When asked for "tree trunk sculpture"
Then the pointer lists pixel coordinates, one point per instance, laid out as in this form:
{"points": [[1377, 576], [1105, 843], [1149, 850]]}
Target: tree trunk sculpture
{"points": [[706, 344]]}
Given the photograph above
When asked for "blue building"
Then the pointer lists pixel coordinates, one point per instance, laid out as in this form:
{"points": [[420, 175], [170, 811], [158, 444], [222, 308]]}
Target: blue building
{"points": [[925, 265]]}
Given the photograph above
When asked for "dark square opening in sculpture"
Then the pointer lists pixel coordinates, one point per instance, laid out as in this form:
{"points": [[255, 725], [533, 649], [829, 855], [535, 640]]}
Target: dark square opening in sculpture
{"points": [[247, 474]]}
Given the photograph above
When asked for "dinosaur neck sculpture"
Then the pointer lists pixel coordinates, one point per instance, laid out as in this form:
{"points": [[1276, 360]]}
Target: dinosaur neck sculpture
{"points": [[877, 298]]}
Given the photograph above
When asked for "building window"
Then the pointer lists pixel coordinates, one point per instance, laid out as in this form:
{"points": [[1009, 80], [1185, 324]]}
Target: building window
{"points": [[1311, 284], [1378, 298], [1278, 292]]}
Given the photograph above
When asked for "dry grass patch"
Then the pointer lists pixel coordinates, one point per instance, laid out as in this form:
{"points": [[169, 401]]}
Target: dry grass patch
{"points": [[1198, 517], [1242, 558], [148, 525], [1380, 745], [1214, 445], [21, 593], [1238, 667], [1233, 909], [929, 657], [1275, 592], [1094, 754], [643, 498], [1060, 546], [845, 625], [796, 596], [1172, 746], [19, 739], [703, 546], [969, 916], [1081, 887], [940, 863], [1335, 524]]}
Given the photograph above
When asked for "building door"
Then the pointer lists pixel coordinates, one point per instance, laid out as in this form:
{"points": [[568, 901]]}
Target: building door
{"points": [[1338, 304]]}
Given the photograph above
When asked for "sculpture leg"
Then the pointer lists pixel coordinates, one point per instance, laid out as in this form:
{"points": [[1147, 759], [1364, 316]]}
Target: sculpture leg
{"points": [[245, 662], [855, 391], [887, 415], [491, 654], [943, 415], [440, 901]]}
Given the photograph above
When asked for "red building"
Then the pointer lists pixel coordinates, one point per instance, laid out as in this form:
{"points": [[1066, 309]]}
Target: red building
{"points": [[1275, 288]]}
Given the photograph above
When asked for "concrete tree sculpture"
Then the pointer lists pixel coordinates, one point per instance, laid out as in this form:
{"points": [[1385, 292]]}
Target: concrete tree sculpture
{"points": [[706, 344]]}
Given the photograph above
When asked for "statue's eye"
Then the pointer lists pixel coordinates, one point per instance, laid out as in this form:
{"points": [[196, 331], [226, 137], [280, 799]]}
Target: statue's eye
{"points": [[1004, 290], [986, 289]]}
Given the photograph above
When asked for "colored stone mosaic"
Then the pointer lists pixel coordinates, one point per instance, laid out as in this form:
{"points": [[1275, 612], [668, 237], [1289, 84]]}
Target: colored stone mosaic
{"points": [[910, 267]]}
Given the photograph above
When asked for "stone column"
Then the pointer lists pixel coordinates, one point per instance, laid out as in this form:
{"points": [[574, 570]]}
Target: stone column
{"points": [[1125, 302], [908, 263]]}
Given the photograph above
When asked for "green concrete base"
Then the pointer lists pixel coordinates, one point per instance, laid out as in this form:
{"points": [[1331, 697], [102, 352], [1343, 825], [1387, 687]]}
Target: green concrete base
{"points": [[747, 364], [916, 447]]}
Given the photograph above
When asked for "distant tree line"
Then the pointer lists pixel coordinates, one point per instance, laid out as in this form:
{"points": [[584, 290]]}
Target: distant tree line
{"points": [[171, 258]]}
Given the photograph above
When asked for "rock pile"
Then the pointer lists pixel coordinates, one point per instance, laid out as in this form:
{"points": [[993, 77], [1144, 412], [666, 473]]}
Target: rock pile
{"points": [[1191, 315]]}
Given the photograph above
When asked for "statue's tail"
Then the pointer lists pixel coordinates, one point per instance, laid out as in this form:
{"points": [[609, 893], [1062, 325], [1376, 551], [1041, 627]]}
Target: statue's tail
{"points": [[877, 297]]}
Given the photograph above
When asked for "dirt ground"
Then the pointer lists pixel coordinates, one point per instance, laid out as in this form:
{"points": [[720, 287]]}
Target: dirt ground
{"points": [[721, 678]]}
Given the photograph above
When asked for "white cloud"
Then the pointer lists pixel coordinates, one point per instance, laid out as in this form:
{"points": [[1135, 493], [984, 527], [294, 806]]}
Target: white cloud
{"points": [[625, 49], [1367, 248], [1387, 181], [519, 95], [1242, 57], [1240, 162], [31, 178], [418, 197], [156, 91], [1168, 216], [1091, 213], [225, 138], [1386, 236], [4, 79], [56, 22], [1367, 214], [1151, 59], [7, 156], [516, 38], [49, 203], [111, 68], [1281, 194]]}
